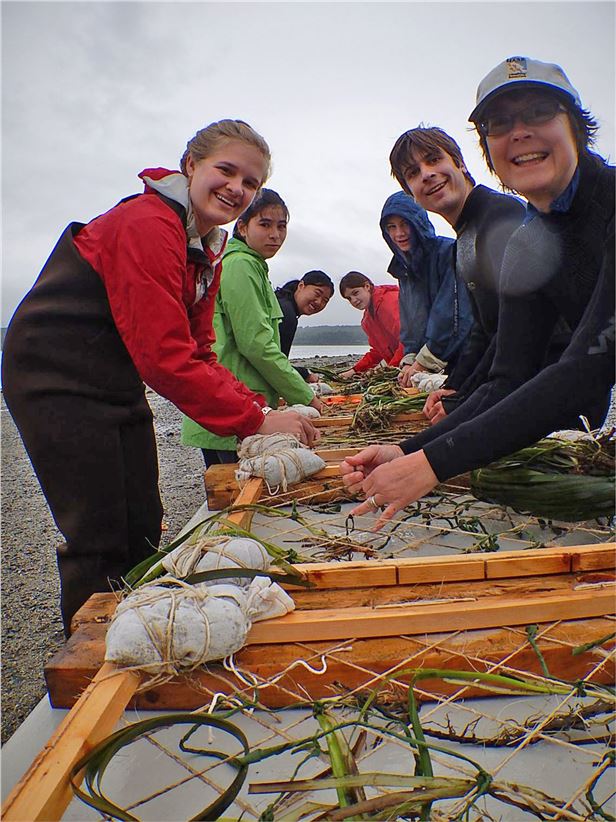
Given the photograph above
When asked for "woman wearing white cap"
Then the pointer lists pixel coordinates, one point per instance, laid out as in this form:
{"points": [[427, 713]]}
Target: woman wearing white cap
{"points": [[558, 266]]}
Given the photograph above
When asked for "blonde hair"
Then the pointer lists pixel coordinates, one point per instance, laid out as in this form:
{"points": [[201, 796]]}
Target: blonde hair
{"points": [[210, 139]]}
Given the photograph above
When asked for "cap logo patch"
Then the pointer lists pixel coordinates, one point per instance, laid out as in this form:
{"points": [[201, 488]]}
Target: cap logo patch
{"points": [[516, 67]]}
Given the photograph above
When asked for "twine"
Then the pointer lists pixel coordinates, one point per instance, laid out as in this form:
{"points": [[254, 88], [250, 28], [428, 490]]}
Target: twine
{"points": [[184, 559], [163, 644]]}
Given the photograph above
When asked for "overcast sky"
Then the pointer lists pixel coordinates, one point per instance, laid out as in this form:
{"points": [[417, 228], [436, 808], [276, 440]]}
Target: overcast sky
{"points": [[93, 92]]}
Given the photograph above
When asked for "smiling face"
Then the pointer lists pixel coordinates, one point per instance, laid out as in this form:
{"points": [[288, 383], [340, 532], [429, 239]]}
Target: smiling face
{"points": [[537, 161], [224, 184], [400, 232], [359, 296], [437, 183], [266, 231], [310, 299]]}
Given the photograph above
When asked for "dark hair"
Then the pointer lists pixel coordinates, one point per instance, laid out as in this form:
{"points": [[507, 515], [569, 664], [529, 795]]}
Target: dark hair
{"points": [[354, 279], [583, 124], [421, 141], [315, 277], [265, 198]]}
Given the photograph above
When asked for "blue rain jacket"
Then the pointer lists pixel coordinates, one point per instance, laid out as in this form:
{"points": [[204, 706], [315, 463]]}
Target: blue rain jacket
{"points": [[435, 309]]}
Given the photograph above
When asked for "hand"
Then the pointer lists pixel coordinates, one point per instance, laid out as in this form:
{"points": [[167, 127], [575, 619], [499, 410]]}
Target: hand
{"points": [[434, 399], [290, 422], [439, 415], [355, 469], [407, 371], [395, 485], [347, 375], [318, 404]]}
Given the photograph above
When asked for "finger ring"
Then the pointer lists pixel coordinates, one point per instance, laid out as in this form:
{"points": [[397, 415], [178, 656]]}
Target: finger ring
{"points": [[373, 502]]}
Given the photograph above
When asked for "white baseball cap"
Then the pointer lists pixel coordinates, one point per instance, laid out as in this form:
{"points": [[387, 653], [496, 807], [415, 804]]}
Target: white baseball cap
{"points": [[522, 72]]}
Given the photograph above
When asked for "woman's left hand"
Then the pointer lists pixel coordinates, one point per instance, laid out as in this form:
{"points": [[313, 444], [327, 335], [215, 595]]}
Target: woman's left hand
{"points": [[395, 485]]}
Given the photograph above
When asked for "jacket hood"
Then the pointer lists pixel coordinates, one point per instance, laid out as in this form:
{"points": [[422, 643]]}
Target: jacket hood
{"points": [[174, 186], [423, 238]]}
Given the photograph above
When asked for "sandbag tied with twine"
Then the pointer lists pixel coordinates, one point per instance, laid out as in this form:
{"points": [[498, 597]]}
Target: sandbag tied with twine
{"points": [[259, 444], [215, 551], [304, 410], [167, 630], [428, 382], [280, 464], [320, 389]]}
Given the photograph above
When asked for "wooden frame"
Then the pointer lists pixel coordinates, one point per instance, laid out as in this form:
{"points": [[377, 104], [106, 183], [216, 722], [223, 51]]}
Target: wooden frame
{"points": [[44, 791], [222, 489]]}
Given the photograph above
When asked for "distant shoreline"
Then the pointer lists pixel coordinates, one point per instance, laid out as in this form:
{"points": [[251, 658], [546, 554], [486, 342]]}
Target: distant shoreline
{"points": [[352, 335]]}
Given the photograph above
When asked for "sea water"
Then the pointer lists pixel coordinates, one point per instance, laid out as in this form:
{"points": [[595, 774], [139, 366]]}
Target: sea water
{"points": [[299, 352]]}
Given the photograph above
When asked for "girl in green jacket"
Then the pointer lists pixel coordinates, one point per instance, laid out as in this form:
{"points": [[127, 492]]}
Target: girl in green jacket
{"points": [[246, 322]]}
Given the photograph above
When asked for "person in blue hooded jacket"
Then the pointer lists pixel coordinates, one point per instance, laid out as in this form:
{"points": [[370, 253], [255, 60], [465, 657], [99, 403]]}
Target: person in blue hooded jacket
{"points": [[435, 309]]}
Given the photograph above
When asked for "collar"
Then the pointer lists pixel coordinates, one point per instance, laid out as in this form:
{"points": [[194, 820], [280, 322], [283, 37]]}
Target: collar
{"points": [[174, 185], [562, 203]]}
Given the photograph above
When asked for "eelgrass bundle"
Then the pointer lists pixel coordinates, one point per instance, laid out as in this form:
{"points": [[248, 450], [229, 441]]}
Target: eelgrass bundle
{"points": [[562, 477], [381, 403], [364, 381]]}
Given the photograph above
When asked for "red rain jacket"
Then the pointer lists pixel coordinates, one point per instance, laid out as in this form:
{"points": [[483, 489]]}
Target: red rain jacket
{"points": [[381, 322], [139, 250]]}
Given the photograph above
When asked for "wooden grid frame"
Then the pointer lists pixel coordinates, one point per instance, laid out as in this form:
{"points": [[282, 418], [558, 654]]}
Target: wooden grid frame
{"points": [[43, 793]]}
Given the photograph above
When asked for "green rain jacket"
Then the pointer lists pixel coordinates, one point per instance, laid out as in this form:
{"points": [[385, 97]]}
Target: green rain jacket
{"points": [[246, 319]]}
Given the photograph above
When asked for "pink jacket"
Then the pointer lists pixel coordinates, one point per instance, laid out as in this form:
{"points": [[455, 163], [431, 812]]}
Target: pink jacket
{"points": [[381, 322]]}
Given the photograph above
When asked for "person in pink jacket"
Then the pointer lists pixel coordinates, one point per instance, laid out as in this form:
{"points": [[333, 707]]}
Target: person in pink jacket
{"points": [[381, 320]]}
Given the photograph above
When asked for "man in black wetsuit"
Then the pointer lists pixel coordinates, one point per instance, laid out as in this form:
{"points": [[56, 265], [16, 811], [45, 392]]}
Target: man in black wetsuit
{"points": [[429, 166], [559, 265]]}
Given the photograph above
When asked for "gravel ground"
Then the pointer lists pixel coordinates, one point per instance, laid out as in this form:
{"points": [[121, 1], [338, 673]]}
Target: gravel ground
{"points": [[31, 624]]}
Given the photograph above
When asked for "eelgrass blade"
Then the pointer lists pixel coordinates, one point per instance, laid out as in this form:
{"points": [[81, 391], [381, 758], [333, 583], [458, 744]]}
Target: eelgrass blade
{"points": [[423, 766], [588, 646], [151, 568], [96, 761], [339, 756], [556, 479], [244, 573]]}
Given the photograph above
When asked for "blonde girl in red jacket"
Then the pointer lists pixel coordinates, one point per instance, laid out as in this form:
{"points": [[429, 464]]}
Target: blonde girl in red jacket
{"points": [[125, 300], [381, 320]]}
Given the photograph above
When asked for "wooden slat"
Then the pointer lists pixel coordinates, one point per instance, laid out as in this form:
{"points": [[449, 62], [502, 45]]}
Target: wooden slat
{"points": [[327, 422], [525, 565], [339, 575], [249, 495], [336, 455], [454, 592], [355, 667], [602, 558], [223, 490], [442, 570], [44, 791], [331, 624], [501, 564]]}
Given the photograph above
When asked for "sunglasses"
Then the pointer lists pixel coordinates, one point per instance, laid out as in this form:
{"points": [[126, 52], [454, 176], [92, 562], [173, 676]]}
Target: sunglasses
{"points": [[535, 114]]}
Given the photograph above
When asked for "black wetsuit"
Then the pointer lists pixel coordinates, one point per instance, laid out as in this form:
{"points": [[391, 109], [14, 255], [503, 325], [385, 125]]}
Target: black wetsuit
{"points": [[556, 266], [288, 324], [483, 229]]}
